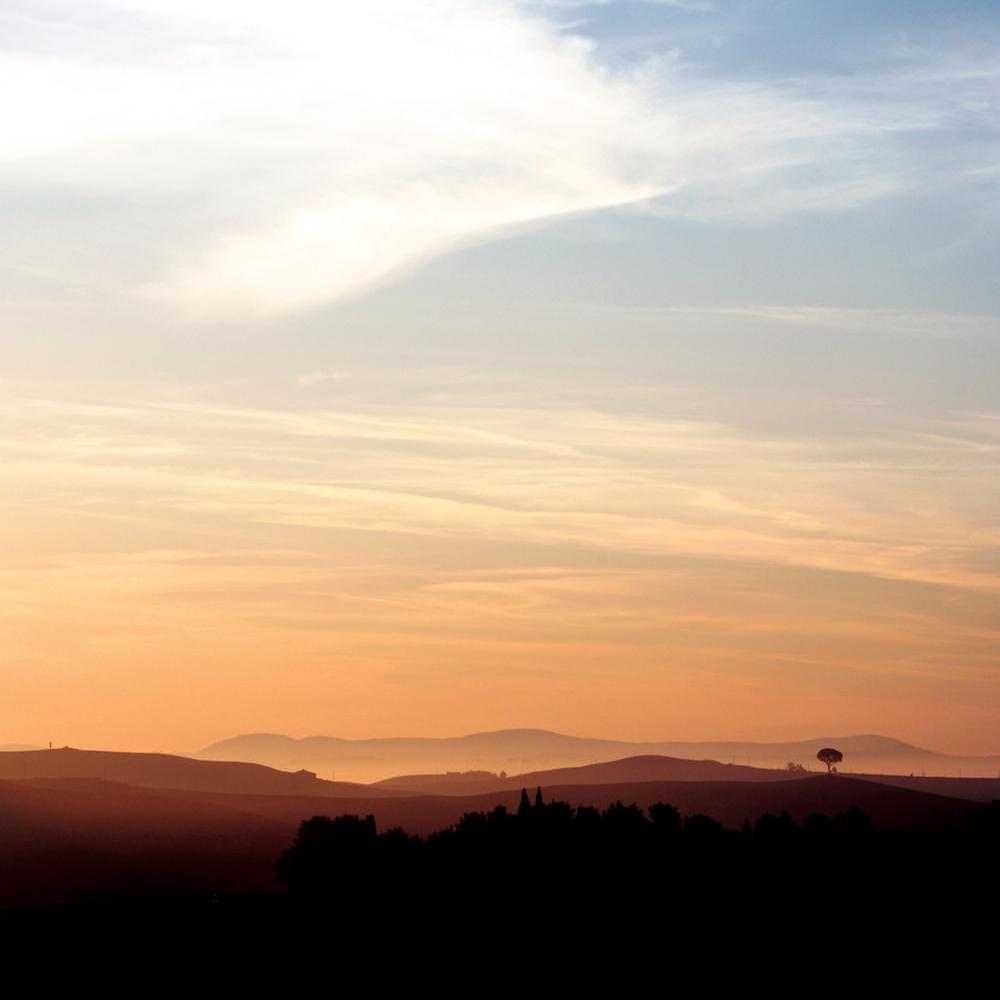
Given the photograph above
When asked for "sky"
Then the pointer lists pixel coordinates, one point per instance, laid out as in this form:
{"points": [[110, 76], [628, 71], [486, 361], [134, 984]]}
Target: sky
{"points": [[630, 369]]}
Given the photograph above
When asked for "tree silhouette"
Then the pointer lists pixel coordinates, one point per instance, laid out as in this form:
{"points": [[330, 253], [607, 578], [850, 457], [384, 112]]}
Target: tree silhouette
{"points": [[524, 807], [313, 861], [829, 756], [666, 819]]}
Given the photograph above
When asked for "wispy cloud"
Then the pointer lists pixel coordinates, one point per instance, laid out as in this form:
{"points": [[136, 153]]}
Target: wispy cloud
{"points": [[882, 322], [233, 160], [882, 505], [318, 551]]}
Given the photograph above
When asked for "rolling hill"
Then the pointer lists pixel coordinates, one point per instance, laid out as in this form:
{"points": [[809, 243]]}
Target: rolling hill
{"points": [[522, 750], [973, 789], [156, 770], [730, 802], [67, 839], [648, 767]]}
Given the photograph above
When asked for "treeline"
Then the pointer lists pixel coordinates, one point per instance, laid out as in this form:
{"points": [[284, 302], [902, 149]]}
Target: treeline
{"points": [[560, 890], [580, 858]]}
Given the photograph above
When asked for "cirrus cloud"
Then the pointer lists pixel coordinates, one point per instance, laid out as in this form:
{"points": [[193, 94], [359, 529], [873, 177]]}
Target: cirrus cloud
{"points": [[236, 160]]}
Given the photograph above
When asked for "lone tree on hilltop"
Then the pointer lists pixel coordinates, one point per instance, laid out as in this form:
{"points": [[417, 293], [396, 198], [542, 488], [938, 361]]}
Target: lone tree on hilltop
{"points": [[829, 756]]}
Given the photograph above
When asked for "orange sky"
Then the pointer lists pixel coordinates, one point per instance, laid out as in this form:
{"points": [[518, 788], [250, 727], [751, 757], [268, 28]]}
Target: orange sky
{"points": [[178, 571]]}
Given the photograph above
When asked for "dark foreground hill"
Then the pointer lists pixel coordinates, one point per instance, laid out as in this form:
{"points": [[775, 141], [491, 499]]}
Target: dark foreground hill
{"points": [[972, 789], [113, 869], [69, 840], [891, 809], [520, 750], [157, 770], [80, 839]]}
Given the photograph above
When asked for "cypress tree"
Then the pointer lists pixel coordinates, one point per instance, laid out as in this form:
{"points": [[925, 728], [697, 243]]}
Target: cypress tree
{"points": [[525, 807]]}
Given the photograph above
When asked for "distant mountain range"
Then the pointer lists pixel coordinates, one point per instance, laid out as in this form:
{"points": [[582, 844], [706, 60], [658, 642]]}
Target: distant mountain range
{"points": [[523, 750]]}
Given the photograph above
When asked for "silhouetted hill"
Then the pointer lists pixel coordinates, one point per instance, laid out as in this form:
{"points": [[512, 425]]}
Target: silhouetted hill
{"points": [[890, 808], [155, 770], [86, 839], [730, 802], [449, 783], [521, 750], [649, 767], [972, 789]]}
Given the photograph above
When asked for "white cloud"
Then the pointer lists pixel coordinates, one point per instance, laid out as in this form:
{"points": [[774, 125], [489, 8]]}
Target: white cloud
{"points": [[234, 160], [308, 379]]}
